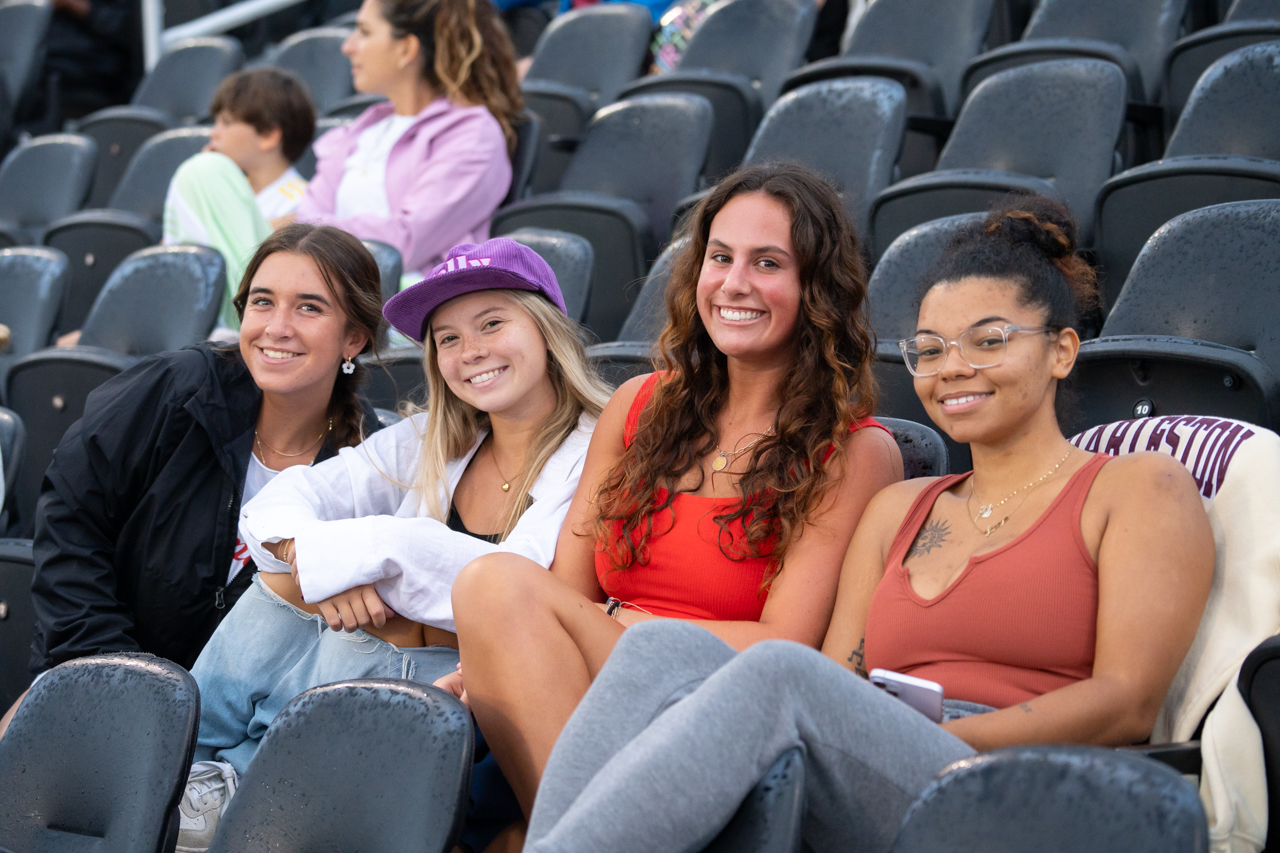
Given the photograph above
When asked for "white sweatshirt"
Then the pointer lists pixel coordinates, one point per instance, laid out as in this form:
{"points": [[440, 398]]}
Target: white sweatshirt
{"points": [[356, 519]]}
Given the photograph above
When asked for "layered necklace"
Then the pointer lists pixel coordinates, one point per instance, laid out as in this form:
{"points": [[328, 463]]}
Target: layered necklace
{"points": [[724, 456], [985, 510], [261, 444]]}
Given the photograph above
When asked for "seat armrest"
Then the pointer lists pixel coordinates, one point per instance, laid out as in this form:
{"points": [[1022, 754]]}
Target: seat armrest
{"points": [[979, 178], [105, 217], [748, 89], [1024, 52], [579, 97], [1183, 757], [1226, 165], [911, 73]]}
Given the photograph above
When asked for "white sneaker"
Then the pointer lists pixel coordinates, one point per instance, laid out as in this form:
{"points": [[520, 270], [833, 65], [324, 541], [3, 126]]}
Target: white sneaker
{"points": [[209, 790]]}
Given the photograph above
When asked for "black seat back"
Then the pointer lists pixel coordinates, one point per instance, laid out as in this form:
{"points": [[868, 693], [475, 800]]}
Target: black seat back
{"points": [[943, 34], [46, 179], [395, 377], [648, 149], [17, 616], [1253, 10], [1259, 683], [570, 258], [306, 164], [598, 48], [159, 299], [524, 159], [145, 183], [1064, 798], [762, 40], [924, 453], [316, 57], [390, 266], [13, 440], [184, 80], [22, 28], [848, 130], [648, 313], [33, 280], [412, 741], [1146, 29], [1230, 109], [125, 728], [1014, 121]]}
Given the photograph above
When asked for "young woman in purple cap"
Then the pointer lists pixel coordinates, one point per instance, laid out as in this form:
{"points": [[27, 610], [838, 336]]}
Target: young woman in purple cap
{"points": [[375, 536]]}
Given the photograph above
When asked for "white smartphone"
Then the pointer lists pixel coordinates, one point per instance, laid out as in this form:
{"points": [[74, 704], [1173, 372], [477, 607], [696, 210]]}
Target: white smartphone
{"points": [[920, 693]]}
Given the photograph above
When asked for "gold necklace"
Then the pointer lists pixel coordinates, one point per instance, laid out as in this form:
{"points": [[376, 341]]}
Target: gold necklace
{"points": [[985, 510], [493, 457], [261, 444], [722, 461]]}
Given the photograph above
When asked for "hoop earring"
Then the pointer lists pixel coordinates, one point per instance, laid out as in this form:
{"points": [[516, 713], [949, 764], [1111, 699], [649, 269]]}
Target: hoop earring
{"points": [[348, 366]]}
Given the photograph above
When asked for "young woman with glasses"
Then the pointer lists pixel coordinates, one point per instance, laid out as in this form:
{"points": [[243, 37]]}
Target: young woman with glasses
{"points": [[1052, 593]]}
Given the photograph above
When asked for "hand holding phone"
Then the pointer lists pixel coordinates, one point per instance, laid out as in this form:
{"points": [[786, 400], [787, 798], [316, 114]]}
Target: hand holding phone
{"points": [[920, 693]]}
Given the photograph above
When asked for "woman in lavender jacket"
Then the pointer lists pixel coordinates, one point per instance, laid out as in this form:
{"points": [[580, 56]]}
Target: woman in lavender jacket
{"points": [[426, 170]]}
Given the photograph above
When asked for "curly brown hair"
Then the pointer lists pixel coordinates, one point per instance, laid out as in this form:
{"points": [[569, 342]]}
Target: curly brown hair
{"points": [[832, 384], [466, 54]]}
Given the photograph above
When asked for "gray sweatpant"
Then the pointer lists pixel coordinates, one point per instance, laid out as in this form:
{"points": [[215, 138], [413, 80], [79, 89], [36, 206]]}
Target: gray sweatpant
{"points": [[677, 729]]}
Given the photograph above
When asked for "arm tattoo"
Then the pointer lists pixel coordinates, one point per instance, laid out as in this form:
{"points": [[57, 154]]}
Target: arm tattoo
{"points": [[1026, 708], [857, 658], [931, 536]]}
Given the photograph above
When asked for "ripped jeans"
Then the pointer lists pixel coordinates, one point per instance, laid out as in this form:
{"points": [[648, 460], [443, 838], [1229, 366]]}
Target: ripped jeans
{"points": [[266, 652]]}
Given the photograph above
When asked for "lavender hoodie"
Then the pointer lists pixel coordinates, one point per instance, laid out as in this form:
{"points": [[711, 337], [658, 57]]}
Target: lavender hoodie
{"points": [[445, 178]]}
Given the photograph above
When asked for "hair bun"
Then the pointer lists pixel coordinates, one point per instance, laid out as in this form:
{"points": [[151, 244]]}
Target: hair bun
{"points": [[1039, 221]]}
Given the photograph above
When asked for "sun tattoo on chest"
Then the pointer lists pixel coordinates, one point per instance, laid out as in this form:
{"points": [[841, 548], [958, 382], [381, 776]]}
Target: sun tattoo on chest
{"points": [[931, 536]]}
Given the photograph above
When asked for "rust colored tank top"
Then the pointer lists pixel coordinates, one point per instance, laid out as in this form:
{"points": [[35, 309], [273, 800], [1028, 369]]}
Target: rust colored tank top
{"points": [[1018, 622], [688, 575]]}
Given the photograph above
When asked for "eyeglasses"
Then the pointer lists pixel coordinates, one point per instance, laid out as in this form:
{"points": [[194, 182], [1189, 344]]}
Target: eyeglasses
{"points": [[980, 347]]}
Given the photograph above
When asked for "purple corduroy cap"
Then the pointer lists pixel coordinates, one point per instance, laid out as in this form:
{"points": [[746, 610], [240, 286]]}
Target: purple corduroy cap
{"points": [[496, 264]]}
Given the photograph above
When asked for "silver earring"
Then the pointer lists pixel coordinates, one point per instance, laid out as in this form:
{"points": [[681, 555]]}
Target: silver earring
{"points": [[348, 366]]}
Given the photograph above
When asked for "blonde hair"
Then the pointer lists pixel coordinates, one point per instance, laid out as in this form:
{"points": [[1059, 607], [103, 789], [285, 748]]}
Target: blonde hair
{"points": [[453, 425]]}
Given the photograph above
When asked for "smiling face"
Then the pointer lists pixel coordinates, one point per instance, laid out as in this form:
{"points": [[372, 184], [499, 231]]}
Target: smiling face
{"points": [[380, 62], [294, 334], [492, 355], [988, 405], [749, 286]]}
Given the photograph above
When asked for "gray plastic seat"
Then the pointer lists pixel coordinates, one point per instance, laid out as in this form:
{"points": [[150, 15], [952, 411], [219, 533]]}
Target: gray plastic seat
{"points": [[1061, 798], [23, 24], [33, 280], [581, 62], [923, 44], [43, 180], [96, 241], [124, 728], [120, 132], [1247, 22], [638, 158], [390, 266], [737, 59], [847, 130], [1136, 35], [1259, 684], [17, 624], [1226, 147], [13, 442], [306, 164], [649, 312], [923, 449], [1196, 329], [1010, 137], [524, 159], [570, 258], [413, 742], [316, 57], [184, 80], [395, 377]]}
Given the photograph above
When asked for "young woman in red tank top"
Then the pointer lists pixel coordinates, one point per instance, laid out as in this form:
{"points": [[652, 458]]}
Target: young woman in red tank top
{"points": [[723, 490], [1051, 592]]}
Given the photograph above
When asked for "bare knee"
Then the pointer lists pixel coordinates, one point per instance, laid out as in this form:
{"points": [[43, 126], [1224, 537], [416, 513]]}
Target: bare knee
{"points": [[494, 589]]}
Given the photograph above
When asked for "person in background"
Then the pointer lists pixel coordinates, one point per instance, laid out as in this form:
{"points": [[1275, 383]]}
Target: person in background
{"points": [[88, 47], [426, 170]]}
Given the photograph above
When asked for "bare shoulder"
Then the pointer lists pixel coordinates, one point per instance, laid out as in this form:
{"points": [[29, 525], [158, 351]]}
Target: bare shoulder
{"points": [[892, 503], [613, 420], [1146, 476]]}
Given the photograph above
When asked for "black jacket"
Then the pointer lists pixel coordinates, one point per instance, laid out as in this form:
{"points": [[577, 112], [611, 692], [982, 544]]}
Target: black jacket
{"points": [[138, 513]]}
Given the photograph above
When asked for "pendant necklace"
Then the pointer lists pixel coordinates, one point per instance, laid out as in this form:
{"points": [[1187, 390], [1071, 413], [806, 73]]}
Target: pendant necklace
{"points": [[722, 461], [506, 481], [985, 510]]}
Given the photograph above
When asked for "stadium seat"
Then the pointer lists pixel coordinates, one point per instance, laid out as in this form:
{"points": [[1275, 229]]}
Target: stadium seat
{"points": [[1049, 128], [1135, 35], [737, 59], [41, 181], [1061, 798], [124, 726], [13, 443], [581, 62], [924, 454], [1226, 147], [649, 312], [22, 29], [1247, 22], [184, 80], [893, 296], [395, 377], [570, 257], [390, 266], [17, 624], [771, 818], [1259, 684], [924, 45], [34, 279], [120, 132], [96, 241], [158, 299], [1196, 329], [316, 57], [351, 106], [638, 158], [524, 159], [306, 164], [849, 131], [414, 743]]}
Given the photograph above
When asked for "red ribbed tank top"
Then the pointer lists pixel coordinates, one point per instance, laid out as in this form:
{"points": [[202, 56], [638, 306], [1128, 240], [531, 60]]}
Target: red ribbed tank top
{"points": [[688, 576], [1018, 622]]}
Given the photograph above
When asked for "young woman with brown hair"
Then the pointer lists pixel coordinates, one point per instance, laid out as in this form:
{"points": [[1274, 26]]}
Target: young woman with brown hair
{"points": [[722, 490]]}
